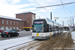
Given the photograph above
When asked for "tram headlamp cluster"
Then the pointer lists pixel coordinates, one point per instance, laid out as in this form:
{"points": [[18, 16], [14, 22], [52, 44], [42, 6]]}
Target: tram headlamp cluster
{"points": [[42, 34], [33, 34]]}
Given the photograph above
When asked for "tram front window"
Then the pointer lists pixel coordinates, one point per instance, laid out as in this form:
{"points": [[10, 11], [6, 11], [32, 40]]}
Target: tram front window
{"points": [[38, 28]]}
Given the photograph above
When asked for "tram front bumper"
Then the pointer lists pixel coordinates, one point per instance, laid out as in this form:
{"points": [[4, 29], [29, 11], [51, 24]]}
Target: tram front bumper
{"points": [[39, 37]]}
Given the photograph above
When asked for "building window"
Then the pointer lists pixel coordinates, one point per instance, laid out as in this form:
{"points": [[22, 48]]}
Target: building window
{"points": [[2, 28], [17, 23], [13, 27], [10, 22], [7, 22], [14, 22], [10, 28], [7, 28], [2, 21], [17, 28], [20, 23]]}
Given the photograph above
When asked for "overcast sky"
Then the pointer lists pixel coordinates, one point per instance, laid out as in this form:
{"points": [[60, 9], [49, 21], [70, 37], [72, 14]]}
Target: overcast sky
{"points": [[65, 13]]}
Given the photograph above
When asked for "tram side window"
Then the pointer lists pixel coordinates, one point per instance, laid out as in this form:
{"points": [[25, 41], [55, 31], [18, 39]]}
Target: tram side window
{"points": [[46, 28], [56, 29], [50, 29]]}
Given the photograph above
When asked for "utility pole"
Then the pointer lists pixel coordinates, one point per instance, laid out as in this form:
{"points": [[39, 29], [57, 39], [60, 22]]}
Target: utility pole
{"points": [[63, 25], [70, 22], [73, 21], [51, 15]]}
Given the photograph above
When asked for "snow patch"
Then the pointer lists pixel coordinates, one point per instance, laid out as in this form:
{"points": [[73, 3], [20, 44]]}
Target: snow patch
{"points": [[12, 42], [73, 36]]}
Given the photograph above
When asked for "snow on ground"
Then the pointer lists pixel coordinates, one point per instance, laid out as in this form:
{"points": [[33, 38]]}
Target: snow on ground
{"points": [[73, 36], [64, 31], [12, 42], [23, 31]]}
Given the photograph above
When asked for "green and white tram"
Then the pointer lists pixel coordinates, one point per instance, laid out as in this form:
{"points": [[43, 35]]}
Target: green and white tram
{"points": [[44, 28]]}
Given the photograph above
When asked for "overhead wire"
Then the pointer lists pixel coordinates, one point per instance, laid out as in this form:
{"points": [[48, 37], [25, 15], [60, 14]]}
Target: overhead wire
{"points": [[69, 11], [63, 8], [66, 7], [41, 6], [56, 5]]}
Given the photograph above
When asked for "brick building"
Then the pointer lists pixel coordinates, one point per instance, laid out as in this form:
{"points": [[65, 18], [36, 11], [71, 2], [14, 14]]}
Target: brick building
{"points": [[22, 20]]}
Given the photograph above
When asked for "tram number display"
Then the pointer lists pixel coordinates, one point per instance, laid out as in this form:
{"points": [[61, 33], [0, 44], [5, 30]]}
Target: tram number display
{"points": [[37, 34]]}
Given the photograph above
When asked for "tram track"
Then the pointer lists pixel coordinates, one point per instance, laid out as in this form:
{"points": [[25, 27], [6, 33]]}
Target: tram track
{"points": [[57, 43], [54, 43], [49, 43], [28, 46], [60, 45], [26, 43], [31, 47]]}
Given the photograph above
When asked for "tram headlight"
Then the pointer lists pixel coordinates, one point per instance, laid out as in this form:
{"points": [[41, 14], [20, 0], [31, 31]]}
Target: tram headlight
{"points": [[42, 34], [33, 34]]}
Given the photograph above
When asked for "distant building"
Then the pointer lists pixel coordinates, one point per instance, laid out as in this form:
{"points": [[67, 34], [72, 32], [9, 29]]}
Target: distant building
{"points": [[22, 21]]}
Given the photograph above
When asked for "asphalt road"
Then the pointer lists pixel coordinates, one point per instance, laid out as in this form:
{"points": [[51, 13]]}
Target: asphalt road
{"points": [[21, 34]]}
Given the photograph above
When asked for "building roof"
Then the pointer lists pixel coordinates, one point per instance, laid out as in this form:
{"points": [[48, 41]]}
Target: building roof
{"points": [[26, 12], [10, 18]]}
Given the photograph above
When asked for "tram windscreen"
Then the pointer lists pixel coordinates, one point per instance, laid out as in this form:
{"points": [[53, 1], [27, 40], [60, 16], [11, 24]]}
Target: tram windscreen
{"points": [[38, 26]]}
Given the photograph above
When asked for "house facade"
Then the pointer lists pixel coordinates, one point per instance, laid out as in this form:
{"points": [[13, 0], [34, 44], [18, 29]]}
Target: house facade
{"points": [[22, 21]]}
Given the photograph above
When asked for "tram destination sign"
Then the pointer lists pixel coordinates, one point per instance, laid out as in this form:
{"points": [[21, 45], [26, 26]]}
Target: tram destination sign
{"points": [[38, 22]]}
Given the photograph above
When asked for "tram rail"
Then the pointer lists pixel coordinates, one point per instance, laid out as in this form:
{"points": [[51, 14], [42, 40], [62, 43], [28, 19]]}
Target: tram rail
{"points": [[54, 43]]}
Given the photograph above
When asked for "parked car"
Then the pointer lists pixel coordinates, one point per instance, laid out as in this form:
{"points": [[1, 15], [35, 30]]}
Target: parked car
{"points": [[9, 33], [1, 30], [18, 30]]}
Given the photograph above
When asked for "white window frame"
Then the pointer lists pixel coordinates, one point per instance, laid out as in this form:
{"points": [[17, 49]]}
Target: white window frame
{"points": [[10, 22], [7, 22], [20, 23], [2, 21], [14, 22]]}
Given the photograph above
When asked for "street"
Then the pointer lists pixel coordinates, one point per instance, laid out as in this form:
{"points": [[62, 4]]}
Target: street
{"points": [[59, 42], [21, 34]]}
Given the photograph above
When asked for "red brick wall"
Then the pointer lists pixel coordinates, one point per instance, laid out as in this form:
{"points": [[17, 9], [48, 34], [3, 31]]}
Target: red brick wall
{"points": [[20, 16], [9, 25], [26, 17]]}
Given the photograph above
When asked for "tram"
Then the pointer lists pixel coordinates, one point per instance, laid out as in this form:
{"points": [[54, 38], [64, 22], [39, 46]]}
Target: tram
{"points": [[44, 29]]}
